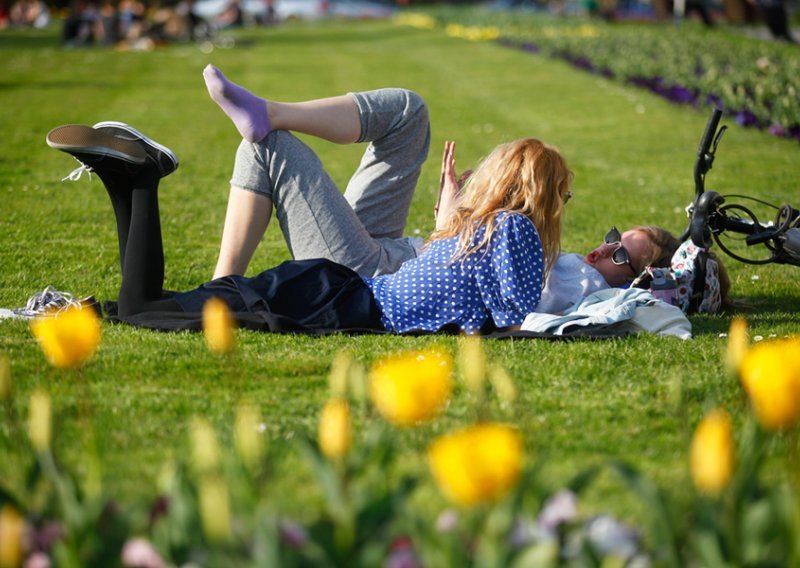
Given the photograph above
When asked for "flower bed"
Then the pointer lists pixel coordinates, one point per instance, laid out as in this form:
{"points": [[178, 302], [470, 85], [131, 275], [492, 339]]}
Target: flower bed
{"points": [[757, 83], [216, 507]]}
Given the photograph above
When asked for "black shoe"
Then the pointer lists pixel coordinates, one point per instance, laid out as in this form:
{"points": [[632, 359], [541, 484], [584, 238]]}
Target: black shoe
{"points": [[164, 158], [97, 151]]}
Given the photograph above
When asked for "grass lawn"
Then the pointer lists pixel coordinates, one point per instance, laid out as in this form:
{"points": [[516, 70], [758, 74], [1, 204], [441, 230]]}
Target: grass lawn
{"points": [[632, 153]]}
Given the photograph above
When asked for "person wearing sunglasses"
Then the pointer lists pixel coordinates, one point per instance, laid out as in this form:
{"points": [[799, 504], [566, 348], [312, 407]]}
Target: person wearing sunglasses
{"points": [[615, 263]]}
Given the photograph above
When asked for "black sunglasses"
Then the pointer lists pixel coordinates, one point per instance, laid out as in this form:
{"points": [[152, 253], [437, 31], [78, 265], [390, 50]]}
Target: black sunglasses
{"points": [[620, 255]]}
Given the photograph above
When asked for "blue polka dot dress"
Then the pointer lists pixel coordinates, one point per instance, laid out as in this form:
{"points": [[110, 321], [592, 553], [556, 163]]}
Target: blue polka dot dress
{"points": [[502, 280]]}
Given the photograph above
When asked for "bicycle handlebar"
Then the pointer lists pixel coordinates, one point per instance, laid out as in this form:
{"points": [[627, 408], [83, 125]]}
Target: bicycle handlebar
{"points": [[703, 162], [709, 217]]}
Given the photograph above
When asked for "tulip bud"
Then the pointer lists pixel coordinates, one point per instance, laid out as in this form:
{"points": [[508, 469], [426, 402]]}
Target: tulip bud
{"points": [[357, 381], [215, 508], [218, 326], [205, 448], [5, 378], [249, 444], [737, 345], [472, 362], [12, 532], [335, 431], [503, 384], [711, 454], [337, 378], [40, 421]]}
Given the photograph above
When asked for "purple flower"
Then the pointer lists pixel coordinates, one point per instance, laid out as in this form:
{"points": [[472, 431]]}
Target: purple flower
{"points": [[559, 509], [681, 95], [159, 508], [523, 533], [530, 47], [292, 533], [46, 535], [777, 129], [610, 537], [746, 118], [38, 560], [447, 521], [583, 63], [139, 553], [402, 555]]}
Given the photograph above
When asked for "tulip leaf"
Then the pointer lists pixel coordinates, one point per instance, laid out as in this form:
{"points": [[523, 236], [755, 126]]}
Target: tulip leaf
{"points": [[583, 479], [373, 518], [327, 478], [655, 503]]}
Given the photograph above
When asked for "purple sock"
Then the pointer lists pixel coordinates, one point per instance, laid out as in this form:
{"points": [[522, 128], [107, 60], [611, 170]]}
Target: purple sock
{"points": [[247, 111]]}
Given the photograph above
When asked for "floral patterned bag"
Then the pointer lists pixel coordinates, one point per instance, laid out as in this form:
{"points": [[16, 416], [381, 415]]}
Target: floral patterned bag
{"points": [[691, 282]]}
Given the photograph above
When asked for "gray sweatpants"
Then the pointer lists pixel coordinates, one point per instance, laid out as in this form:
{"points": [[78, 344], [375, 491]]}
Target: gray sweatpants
{"points": [[362, 229]]}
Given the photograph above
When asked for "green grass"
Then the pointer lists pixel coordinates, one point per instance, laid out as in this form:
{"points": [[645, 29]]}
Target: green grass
{"points": [[632, 154]]}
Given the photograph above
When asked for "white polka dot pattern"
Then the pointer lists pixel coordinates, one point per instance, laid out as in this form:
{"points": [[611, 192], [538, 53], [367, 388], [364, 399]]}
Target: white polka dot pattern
{"points": [[502, 280]]}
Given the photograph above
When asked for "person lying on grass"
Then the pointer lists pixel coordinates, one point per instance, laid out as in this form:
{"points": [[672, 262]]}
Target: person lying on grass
{"points": [[363, 228], [484, 268]]}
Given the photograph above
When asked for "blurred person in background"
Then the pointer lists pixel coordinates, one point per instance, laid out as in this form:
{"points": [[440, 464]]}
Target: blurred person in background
{"points": [[29, 13]]}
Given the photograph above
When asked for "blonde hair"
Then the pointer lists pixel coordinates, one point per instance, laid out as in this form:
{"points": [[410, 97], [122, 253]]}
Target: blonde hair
{"points": [[526, 177], [663, 245]]}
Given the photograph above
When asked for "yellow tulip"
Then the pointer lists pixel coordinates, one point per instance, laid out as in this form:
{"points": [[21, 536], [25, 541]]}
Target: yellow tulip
{"points": [[40, 421], [70, 338], [335, 430], [411, 387], [711, 454], [737, 345], [249, 444], [218, 326], [205, 448], [215, 508], [770, 374], [5, 378], [12, 532], [478, 464], [416, 20]]}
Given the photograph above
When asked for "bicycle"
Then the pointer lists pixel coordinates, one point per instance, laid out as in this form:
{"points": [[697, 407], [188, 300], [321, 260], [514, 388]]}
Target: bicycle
{"points": [[711, 216]]}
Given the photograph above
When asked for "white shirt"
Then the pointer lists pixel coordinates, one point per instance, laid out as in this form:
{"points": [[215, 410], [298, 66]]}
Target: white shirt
{"points": [[570, 280]]}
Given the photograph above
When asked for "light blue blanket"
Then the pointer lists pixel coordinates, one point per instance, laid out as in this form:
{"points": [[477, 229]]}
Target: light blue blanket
{"points": [[631, 309]]}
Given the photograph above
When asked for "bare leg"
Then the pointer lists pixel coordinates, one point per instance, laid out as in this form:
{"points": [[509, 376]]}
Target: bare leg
{"points": [[335, 119], [362, 229], [246, 219]]}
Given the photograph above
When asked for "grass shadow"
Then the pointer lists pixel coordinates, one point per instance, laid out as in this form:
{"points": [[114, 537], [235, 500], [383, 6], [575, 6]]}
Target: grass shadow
{"points": [[768, 310]]}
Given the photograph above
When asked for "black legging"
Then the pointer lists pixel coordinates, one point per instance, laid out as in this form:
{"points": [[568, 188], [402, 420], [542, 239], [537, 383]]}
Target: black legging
{"points": [[307, 294], [141, 251]]}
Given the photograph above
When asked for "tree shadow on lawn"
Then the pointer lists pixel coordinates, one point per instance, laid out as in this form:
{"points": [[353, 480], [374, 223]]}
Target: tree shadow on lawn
{"points": [[30, 40], [765, 310]]}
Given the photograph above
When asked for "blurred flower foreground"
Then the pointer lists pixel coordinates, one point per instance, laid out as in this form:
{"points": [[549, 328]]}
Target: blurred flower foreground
{"points": [[458, 491]]}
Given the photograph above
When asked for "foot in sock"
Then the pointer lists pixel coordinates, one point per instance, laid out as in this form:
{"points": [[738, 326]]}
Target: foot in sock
{"points": [[247, 111]]}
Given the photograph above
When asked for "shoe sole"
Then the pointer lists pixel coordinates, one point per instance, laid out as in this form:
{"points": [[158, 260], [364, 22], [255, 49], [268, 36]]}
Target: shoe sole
{"points": [[80, 139], [151, 147]]}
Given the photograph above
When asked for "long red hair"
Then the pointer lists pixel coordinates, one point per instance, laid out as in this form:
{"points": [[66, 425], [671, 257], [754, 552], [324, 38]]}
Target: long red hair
{"points": [[526, 176]]}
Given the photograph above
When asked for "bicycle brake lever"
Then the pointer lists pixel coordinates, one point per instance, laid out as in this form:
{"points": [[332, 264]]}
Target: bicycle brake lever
{"points": [[718, 138]]}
